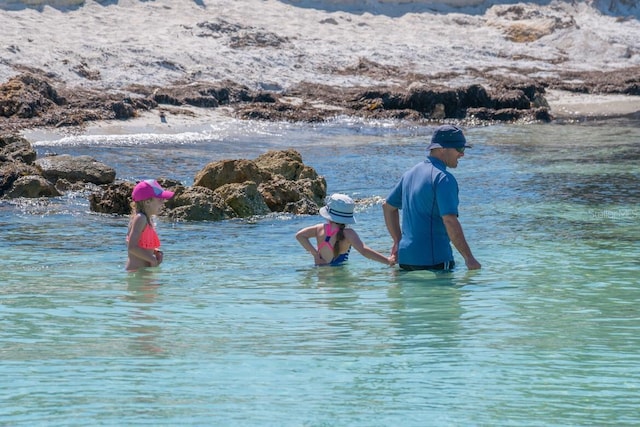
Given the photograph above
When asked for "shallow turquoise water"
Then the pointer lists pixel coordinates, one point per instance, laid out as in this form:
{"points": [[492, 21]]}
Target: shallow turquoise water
{"points": [[238, 328]]}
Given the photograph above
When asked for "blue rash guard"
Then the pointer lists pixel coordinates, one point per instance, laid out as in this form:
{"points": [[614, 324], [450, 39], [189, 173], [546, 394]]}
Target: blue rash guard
{"points": [[424, 194]]}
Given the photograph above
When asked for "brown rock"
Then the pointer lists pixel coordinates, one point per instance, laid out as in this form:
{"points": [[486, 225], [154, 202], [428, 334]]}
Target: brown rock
{"points": [[11, 172], [287, 163], [278, 193], [14, 148], [429, 99], [302, 207], [114, 199], [243, 198], [27, 96], [515, 99], [281, 193], [76, 168], [201, 94], [232, 188], [32, 186], [198, 204], [314, 189], [224, 172]]}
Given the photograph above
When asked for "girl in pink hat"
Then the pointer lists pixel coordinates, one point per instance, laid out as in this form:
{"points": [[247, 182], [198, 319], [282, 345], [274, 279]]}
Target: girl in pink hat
{"points": [[334, 240], [143, 243]]}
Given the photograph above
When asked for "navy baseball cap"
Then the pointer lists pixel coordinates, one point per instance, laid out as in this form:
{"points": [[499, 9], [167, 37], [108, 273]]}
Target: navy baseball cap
{"points": [[448, 136]]}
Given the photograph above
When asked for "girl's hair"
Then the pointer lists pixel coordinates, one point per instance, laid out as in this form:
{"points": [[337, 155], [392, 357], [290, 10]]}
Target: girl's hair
{"points": [[138, 207], [339, 237]]}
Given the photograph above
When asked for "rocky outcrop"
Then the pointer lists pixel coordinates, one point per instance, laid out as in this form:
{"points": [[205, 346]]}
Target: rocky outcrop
{"points": [[32, 186], [420, 101], [277, 181], [33, 100], [75, 169], [22, 175], [27, 96], [217, 174], [243, 198], [196, 204], [113, 198], [16, 149], [207, 95]]}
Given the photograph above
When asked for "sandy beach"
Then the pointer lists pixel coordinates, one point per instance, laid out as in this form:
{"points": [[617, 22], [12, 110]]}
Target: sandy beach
{"points": [[568, 105], [275, 45]]}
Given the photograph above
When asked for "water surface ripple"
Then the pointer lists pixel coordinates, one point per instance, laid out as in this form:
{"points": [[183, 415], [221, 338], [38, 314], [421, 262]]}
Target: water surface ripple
{"points": [[238, 328]]}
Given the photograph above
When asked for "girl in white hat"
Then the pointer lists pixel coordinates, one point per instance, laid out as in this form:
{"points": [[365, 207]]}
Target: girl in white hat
{"points": [[334, 240]]}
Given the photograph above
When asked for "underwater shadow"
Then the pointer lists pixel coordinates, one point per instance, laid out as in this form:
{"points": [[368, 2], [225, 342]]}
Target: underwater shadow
{"points": [[144, 330], [425, 309]]}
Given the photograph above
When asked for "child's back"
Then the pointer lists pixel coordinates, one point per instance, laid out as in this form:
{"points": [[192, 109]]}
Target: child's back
{"points": [[333, 239]]}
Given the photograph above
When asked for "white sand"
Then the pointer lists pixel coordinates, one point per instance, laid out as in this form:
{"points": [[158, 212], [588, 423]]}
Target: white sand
{"points": [[276, 44], [568, 105]]}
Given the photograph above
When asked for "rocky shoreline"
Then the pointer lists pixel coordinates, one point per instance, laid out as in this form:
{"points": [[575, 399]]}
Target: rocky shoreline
{"points": [[33, 100]]}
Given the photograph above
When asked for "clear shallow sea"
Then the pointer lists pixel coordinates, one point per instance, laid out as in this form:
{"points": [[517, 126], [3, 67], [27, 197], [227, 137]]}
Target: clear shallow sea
{"points": [[237, 328]]}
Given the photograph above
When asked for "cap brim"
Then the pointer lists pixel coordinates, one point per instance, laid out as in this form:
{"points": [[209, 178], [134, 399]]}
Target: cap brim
{"points": [[436, 145]]}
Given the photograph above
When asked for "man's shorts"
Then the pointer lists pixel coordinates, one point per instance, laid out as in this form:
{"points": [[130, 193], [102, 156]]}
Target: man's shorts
{"points": [[443, 266]]}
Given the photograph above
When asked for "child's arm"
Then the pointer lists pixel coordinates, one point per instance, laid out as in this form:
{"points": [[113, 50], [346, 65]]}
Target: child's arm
{"points": [[147, 255], [303, 237], [365, 250]]}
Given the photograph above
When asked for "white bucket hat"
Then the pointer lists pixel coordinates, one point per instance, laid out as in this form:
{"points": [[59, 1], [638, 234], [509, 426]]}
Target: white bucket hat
{"points": [[339, 209]]}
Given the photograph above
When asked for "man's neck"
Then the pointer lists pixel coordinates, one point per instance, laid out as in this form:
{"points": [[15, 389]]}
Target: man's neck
{"points": [[438, 153]]}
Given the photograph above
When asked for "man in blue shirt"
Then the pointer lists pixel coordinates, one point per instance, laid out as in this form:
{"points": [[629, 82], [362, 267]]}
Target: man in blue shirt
{"points": [[427, 194]]}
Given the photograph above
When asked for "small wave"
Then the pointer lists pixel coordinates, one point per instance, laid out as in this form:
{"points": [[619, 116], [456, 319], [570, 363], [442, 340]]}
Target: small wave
{"points": [[126, 140]]}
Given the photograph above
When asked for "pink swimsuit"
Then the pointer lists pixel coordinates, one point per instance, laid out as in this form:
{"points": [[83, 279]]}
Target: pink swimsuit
{"points": [[329, 233], [148, 238]]}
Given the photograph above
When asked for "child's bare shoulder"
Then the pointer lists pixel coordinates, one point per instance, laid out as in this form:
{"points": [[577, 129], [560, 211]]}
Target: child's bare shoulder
{"points": [[348, 232]]}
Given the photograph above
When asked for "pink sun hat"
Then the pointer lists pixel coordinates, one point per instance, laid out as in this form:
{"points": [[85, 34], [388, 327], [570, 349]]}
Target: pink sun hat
{"points": [[148, 189]]}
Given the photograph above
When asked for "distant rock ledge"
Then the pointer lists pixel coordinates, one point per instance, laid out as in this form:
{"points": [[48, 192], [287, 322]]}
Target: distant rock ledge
{"points": [[35, 99], [30, 101]]}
